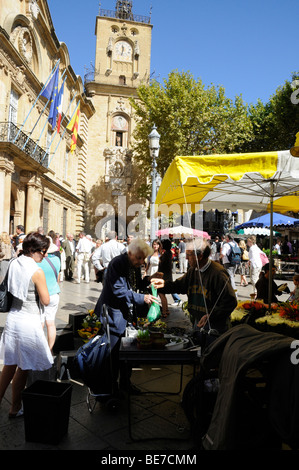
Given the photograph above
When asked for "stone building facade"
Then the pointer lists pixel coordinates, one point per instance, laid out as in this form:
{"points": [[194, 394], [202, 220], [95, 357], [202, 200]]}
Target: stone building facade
{"points": [[122, 63], [41, 182]]}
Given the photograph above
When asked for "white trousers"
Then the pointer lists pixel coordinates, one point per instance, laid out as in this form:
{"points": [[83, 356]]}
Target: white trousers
{"points": [[254, 276], [82, 264], [183, 262]]}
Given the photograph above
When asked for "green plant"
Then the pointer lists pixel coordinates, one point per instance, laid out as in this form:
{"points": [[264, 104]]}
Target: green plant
{"points": [[143, 335], [267, 252]]}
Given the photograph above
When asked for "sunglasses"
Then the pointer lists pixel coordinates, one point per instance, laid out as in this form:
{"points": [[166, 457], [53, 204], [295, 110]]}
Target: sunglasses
{"points": [[43, 252]]}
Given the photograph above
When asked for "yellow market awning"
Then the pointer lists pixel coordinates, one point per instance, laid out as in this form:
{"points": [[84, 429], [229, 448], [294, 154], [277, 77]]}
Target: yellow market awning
{"points": [[234, 181]]}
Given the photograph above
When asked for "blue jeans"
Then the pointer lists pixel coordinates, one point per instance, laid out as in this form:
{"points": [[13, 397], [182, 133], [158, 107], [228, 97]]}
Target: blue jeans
{"points": [[175, 297]]}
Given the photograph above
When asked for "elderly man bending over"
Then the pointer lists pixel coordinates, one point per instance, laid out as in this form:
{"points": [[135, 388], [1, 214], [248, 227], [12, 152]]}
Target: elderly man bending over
{"points": [[211, 298], [120, 295]]}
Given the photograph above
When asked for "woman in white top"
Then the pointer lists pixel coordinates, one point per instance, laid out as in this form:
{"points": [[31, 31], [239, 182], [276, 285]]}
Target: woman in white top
{"points": [[153, 261], [254, 261], [23, 345], [277, 247]]}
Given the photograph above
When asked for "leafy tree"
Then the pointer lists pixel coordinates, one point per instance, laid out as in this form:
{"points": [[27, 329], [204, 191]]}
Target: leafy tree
{"points": [[192, 119], [276, 123]]}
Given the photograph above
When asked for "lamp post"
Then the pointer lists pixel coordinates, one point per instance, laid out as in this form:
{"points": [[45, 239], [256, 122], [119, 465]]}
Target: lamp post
{"points": [[154, 147]]}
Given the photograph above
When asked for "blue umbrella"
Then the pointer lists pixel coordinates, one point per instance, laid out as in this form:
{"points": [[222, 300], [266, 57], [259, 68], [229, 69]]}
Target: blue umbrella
{"points": [[264, 221]]}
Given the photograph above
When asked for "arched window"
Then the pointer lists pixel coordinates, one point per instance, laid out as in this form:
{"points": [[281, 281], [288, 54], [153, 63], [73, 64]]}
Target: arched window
{"points": [[120, 127]]}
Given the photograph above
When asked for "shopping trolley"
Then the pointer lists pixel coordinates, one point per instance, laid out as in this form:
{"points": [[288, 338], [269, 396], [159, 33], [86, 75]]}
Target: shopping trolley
{"points": [[94, 366]]}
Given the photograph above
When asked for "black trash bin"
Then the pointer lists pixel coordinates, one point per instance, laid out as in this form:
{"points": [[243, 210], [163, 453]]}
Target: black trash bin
{"points": [[46, 411]]}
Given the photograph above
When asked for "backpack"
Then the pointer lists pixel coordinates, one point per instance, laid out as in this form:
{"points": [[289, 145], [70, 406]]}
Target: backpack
{"points": [[234, 256]]}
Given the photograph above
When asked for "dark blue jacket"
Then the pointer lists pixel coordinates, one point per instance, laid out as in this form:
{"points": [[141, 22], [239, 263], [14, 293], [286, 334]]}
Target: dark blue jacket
{"points": [[117, 294]]}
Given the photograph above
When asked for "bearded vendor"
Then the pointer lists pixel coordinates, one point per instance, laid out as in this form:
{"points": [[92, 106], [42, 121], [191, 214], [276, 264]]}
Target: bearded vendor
{"points": [[211, 298]]}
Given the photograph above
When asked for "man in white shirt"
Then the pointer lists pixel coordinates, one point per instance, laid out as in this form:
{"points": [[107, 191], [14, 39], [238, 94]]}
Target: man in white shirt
{"points": [[83, 251], [255, 261], [277, 247], [106, 252], [225, 252], [182, 256]]}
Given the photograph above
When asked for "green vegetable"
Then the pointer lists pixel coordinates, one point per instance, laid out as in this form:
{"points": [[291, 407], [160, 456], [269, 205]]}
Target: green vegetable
{"points": [[143, 334]]}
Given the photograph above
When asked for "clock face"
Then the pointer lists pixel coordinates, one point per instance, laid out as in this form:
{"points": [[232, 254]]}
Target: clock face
{"points": [[120, 122], [123, 51]]}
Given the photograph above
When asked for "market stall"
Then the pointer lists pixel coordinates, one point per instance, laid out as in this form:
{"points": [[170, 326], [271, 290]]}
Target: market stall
{"points": [[263, 221], [181, 231], [263, 181], [283, 318]]}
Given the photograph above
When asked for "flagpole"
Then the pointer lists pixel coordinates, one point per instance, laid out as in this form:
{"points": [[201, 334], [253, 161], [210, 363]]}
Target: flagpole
{"points": [[62, 133], [46, 120], [40, 117], [47, 81], [65, 129]]}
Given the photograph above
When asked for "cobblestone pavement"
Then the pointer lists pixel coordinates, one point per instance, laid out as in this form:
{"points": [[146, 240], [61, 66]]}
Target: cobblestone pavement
{"points": [[159, 417]]}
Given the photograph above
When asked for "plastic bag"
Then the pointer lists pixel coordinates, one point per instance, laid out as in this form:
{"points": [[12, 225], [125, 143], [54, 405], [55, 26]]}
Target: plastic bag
{"points": [[154, 311], [264, 258]]}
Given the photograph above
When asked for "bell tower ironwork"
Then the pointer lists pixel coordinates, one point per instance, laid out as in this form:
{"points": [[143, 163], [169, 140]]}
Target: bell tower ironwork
{"points": [[124, 9]]}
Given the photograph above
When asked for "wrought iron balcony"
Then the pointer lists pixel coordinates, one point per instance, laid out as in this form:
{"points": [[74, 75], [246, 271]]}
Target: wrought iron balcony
{"points": [[10, 133], [132, 17], [91, 74]]}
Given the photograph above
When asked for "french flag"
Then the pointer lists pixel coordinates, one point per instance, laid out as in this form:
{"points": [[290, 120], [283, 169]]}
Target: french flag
{"points": [[59, 107]]}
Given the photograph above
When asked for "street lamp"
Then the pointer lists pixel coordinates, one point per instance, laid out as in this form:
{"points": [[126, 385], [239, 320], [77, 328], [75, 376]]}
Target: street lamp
{"points": [[154, 147]]}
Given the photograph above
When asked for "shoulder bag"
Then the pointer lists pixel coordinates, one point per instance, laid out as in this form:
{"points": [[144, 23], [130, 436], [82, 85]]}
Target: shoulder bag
{"points": [[5, 295]]}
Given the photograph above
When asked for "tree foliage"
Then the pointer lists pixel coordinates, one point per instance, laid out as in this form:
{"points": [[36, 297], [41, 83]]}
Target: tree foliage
{"points": [[275, 123], [192, 119]]}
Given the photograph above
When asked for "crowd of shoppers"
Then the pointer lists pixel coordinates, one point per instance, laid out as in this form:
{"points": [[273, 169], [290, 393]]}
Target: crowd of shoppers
{"points": [[37, 264]]}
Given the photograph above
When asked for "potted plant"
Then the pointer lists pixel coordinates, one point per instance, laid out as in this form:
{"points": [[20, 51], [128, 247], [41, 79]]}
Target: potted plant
{"points": [[90, 326], [144, 340]]}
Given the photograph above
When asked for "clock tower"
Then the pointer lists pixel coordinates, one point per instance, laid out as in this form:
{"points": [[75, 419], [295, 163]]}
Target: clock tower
{"points": [[122, 63]]}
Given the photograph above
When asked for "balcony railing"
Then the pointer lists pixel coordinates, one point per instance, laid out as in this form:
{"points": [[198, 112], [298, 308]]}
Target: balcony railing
{"points": [[91, 74], [131, 17], [9, 132]]}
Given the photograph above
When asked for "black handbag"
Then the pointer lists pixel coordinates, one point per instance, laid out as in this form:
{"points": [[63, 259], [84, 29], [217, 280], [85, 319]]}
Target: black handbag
{"points": [[5, 296]]}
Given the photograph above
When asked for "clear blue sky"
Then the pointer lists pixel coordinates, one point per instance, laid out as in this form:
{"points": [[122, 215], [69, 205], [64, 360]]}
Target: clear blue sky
{"points": [[250, 47]]}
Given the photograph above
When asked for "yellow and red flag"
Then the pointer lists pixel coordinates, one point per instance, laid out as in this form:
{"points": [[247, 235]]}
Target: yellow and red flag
{"points": [[74, 126]]}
